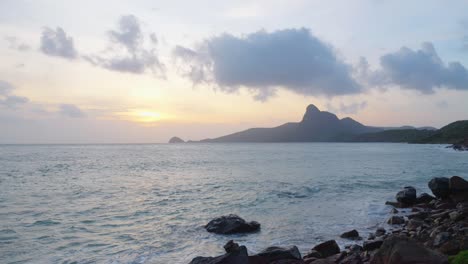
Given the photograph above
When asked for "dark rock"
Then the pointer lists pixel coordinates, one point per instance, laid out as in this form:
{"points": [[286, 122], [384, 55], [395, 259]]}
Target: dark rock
{"points": [[328, 248], [407, 195], [441, 238], [450, 247], [352, 259], [355, 248], [231, 224], [396, 220], [271, 254], [313, 254], [402, 250], [424, 198], [380, 231], [176, 140], [413, 224], [353, 234], [439, 187], [458, 189], [372, 245], [394, 211], [231, 246], [238, 257]]}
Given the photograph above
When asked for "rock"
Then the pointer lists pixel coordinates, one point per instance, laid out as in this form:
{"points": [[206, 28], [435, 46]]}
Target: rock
{"points": [[424, 198], [231, 246], [313, 254], [372, 245], [458, 189], [380, 231], [413, 224], [441, 238], [355, 248], [455, 216], [231, 224], [353, 234], [328, 248], [238, 257], [352, 259], [396, 220], [394, 211], [407, 195], [401, 250], [450, 247], [271, 254], [176, 140], [439, 187]]}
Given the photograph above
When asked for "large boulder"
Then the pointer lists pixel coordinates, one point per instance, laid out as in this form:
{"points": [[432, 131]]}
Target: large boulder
{"points": [[407, 195], [439, 187], [327, 248], [458, 189], [231, 224], [353, 234], [235, 255], [277, 254], [402, 250]]}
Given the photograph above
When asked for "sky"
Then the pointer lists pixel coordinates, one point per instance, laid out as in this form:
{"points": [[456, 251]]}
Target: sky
{"points": [[143, 71]]}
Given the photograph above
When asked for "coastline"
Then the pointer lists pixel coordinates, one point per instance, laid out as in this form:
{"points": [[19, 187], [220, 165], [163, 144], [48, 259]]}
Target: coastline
{"points": [[424, 229]]}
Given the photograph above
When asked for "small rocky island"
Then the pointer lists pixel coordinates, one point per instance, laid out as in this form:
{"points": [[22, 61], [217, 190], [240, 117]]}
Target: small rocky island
{"points": [[175, 140], [425, 229]]}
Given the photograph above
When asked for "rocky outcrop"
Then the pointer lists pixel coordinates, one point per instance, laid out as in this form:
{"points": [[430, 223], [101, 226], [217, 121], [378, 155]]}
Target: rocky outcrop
{"points": [[174, 140], [402, 250], [327, 248], [353, 234], [407, 195], [439, 187], [231, 224], [275, 254], [235, 255]]}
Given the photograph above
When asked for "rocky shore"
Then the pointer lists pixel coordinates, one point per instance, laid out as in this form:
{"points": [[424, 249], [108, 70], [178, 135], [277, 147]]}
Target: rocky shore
{"points": [[426, 229]]}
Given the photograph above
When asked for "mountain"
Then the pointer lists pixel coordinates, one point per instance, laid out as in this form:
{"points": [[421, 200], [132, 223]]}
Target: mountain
{"points": [[395, 135], [315, 126], [452, 133], [176, 140]]}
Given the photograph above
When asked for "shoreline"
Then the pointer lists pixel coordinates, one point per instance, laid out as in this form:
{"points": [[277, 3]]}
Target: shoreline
{"points": [[424, 228]]}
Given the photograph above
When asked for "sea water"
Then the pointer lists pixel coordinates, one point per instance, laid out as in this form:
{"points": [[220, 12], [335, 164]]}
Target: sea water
{"points": [[148, 203]]}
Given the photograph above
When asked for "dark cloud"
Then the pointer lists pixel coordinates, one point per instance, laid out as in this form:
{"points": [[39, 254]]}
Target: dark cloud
{"points": [[70, 110], [422, 70], [127, 51], [57, 43], [15, 44], [293, 59]]}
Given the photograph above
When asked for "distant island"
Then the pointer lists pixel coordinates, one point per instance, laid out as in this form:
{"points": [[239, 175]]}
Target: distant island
{"points": [[323, 126]]}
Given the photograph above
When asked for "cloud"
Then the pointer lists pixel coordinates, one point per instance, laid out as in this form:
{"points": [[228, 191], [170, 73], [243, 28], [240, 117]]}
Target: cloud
{"points": [[6, 87], [422, 70], [293, 59], [70, 110], [7, 98], [352, 108], [57, 43], [15, 44], [127, 51]]}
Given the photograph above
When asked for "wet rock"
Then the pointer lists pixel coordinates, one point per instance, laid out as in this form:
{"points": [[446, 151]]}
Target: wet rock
{"points": [[441, 238], [271, 254], [380, 231], [396, 220], [231, 246], [372, 245], [424, 198], [313, 254], [353, 234], [455, 216], [439, 187], [458, 189], [401, 250], [239, 256], [231, 224], [394, 211], [328, 248], [407, 195], [413, 224], [355, 248], [352, 259]]}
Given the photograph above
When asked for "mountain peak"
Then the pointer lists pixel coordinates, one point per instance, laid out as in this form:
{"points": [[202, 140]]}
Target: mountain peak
{"points": [[311, 111]]}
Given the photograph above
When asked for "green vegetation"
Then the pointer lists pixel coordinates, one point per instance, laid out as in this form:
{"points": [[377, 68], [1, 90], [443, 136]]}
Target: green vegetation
{"points": [[460, 258], [455, 132], [397, 135]]}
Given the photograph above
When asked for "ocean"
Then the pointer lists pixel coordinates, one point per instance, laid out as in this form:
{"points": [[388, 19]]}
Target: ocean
{"points": [[147, 203]]}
